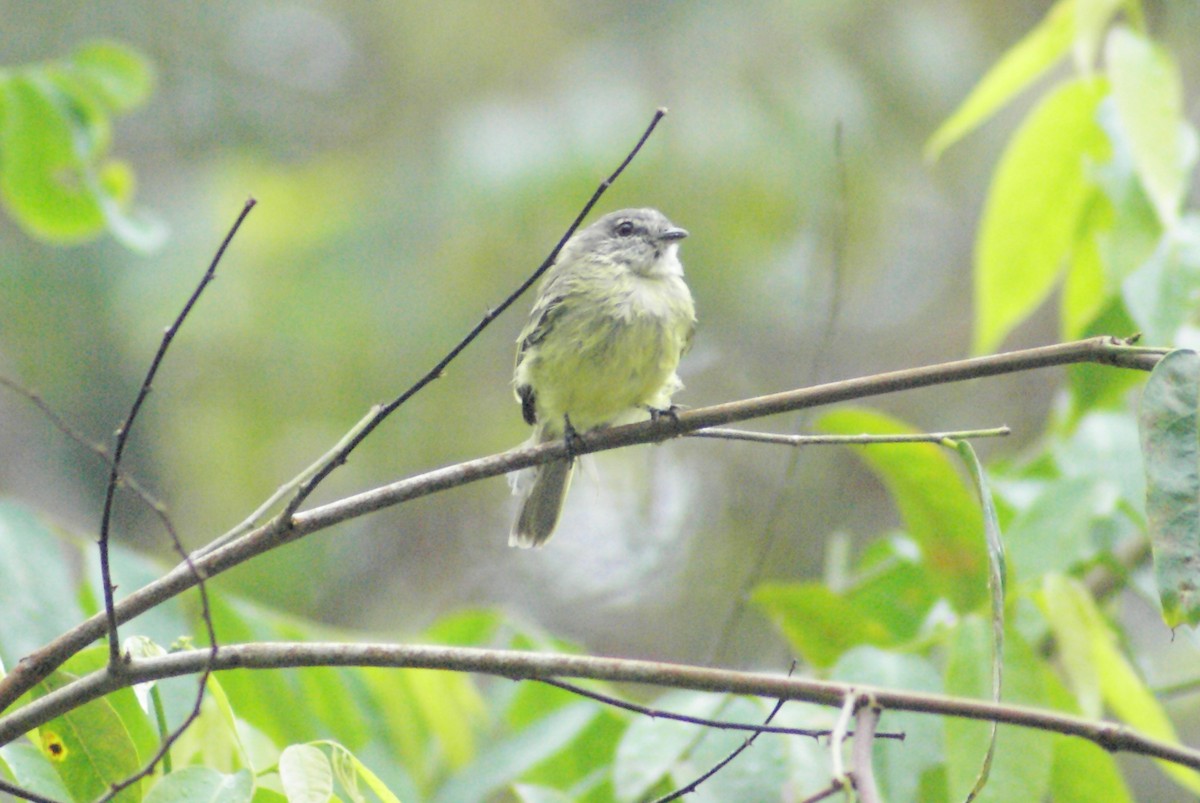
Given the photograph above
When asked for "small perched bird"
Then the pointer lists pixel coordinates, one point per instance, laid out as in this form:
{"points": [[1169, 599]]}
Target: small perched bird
{"points": [[612, 318]]}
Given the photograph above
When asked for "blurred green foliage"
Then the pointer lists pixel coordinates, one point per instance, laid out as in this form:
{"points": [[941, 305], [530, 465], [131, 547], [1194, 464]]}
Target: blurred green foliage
{"points": [[56, 178]]}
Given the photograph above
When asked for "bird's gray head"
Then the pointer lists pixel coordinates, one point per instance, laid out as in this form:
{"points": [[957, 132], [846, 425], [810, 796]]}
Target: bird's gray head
{"points": [[644, 240]]}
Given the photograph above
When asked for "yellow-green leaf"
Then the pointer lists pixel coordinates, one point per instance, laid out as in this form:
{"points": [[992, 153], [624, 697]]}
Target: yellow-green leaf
{"points": [[1123, 691], [1024, 62], [1033, 208], [89, 746]]}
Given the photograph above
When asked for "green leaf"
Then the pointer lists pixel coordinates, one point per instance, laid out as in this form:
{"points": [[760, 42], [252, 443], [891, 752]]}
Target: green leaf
{"points": [[1149, 100], [41, 178], [203, 785], [997, 569], [55, 131], [651, 748], [1123, 691], [1169, 432], [123, 701], [349, 770], [1022, 763], [586, 768], [1037, 52], [893, 586], [119, 75], [938, 510], [89, 746], [818, 622], [37, 592], [1039, 192], [306, 774], [1053, 533], [1161, 294], [1083, 771], [31, 770], [507, 758]]}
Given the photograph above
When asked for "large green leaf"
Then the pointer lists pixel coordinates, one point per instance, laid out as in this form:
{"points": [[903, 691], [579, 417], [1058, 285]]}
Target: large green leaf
{"points": [[1171, 451], [42, 178], [56, 178], [1031, 216]]}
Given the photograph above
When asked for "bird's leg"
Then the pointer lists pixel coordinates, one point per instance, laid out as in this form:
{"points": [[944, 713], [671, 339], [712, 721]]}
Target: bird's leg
{"points": [[671, 412], [572, 439]]}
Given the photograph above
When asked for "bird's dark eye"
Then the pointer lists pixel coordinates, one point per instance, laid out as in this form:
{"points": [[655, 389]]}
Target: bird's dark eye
{"points": [[625, 228]]}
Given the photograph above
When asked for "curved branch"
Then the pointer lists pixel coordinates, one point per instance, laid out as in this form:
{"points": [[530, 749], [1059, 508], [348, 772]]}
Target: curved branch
{"points": [[518, 665]]}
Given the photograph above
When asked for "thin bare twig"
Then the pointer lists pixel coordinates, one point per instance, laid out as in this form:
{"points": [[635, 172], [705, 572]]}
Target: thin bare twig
{"points": [[56, 420], [720, 724], [24, 794], [122, 435], [724, 433], [205, 611], [737, 751]]}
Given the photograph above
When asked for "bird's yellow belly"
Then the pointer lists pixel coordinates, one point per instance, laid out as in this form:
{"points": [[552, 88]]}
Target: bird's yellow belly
{"points": [[603, 371]]}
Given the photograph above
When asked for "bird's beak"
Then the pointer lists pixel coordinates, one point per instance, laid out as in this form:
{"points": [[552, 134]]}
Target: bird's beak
{"points": [[674, 233]]}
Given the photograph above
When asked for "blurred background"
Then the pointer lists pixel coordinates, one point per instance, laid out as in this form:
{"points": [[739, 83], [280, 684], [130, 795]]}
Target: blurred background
{"points": [[413, 163]]}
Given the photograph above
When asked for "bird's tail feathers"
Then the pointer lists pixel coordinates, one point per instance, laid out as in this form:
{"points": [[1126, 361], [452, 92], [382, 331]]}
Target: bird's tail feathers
{"points": [[542, 503]]}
